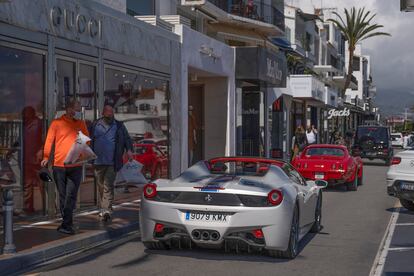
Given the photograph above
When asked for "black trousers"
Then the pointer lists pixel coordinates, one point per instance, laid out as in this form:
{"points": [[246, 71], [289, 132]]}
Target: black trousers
{"points": [[67, 182]]}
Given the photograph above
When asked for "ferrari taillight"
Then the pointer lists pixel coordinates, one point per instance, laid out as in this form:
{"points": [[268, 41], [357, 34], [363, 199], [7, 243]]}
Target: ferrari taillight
{"points": [[150, 190], [258, 233], [158, 228], [275, 197], [396, 160]]}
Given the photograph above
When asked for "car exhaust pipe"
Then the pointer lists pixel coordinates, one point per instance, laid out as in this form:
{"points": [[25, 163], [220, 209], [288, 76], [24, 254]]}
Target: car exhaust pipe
{"points": [[196, 234], [205, 235], [215, 236]]}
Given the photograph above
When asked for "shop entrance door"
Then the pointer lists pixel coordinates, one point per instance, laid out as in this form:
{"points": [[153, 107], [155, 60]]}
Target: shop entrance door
{"points": [[195, 124], [77, 79]]}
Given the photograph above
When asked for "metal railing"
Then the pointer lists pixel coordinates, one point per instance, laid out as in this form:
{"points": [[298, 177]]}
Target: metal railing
{"points": [[253, 9]]}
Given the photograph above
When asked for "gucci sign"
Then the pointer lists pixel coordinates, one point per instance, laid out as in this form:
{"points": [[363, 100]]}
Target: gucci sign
{"points": [[76, 22]]}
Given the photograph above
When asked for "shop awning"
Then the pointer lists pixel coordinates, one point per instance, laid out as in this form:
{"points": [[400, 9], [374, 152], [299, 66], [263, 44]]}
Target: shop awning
{"points": [[282, 43]]}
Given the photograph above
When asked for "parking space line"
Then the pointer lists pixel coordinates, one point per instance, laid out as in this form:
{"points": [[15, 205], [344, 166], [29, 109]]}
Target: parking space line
{"points": [[401, 249], [404, 224], [381, 257]]}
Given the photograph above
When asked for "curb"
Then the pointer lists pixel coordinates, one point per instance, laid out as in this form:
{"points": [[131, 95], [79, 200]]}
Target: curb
{"points": [[22, 261]]}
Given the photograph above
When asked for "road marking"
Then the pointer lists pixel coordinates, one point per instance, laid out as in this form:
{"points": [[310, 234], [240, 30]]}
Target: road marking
{"points": [[401, 249], [404, 224], [381, 257]]}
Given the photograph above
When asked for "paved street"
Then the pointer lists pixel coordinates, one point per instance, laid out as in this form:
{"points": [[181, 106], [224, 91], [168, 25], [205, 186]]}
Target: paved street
{"points": [[354, 225]]}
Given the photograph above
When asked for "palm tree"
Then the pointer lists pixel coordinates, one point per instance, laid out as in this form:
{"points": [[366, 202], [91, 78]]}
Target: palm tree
{"points": [[356, 27]]}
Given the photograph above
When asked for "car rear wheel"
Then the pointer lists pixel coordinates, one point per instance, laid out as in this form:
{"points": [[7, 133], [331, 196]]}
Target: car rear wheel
{"points": [[353, 185], [155, 245], [316, 227], [293, 247], [407, 204]]}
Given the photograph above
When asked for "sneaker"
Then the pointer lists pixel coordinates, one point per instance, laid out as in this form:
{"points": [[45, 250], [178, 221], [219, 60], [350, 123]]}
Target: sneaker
{"points": [[68, 230]]}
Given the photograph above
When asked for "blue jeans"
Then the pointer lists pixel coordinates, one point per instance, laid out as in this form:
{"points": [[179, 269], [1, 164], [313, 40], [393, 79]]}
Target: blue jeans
{"points": [[67, 182]]}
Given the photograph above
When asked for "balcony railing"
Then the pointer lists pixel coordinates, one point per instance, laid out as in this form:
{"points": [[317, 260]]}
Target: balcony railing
{"points": [[253, 9]]}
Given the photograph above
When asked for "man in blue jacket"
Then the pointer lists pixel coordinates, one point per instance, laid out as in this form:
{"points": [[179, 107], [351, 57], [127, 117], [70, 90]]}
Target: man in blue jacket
{"points": [[110, 141]]}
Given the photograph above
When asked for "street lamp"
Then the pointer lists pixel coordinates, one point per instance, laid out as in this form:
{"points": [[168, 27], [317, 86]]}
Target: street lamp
{"points": [[407, 5]]}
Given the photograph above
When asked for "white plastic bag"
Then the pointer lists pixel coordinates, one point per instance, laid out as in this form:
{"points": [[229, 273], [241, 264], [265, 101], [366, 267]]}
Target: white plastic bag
{"points": [[130, 173], [80, 152]]}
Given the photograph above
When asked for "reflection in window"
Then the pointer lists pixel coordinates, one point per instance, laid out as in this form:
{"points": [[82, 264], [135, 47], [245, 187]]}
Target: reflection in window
{"points": [[21, 125], [141, 102]]}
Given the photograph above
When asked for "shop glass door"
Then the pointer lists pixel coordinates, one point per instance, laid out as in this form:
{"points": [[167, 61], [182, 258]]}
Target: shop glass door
{"points": [[77, 79]]}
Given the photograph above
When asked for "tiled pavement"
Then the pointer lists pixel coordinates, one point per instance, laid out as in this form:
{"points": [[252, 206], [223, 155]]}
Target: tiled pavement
{"points": [[39, 242]]}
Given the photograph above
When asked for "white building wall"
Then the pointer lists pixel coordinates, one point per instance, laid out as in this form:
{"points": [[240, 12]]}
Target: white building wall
{"points": [[219, 63]]}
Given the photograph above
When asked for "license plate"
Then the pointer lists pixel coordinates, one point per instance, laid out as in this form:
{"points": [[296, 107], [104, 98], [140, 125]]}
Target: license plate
{"points": [[206, 217], [370, 154], [407, 186], [319, 175]]}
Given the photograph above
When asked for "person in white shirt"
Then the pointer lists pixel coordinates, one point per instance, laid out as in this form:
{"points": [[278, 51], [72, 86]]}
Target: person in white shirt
{"points": [[311, 135]]}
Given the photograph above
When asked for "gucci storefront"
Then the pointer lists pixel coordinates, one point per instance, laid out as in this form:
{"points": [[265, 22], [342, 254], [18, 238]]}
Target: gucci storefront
{"points": [[53, 51], [258, 70]]}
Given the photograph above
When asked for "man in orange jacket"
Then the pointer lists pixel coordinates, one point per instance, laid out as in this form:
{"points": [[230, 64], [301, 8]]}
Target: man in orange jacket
{"points": [[62, 134]]}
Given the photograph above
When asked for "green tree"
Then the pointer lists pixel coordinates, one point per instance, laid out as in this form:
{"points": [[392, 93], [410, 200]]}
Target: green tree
{"points": [[356, 26]]}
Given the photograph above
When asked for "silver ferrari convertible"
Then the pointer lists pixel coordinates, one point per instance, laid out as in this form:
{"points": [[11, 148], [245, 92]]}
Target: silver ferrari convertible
{"points": [[235, 203]]}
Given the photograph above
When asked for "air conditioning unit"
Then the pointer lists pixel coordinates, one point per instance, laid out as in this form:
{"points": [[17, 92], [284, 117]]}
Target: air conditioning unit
{"points": [[407, 5]]}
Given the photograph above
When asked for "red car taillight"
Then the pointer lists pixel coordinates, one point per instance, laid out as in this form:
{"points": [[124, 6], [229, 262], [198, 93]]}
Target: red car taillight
{"points": [[258, 233], [396, 160], [158, 228], [150, 190], [275, 197]]}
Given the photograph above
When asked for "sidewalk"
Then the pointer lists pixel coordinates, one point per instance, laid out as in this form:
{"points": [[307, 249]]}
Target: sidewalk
{"points": [[40, 242]]}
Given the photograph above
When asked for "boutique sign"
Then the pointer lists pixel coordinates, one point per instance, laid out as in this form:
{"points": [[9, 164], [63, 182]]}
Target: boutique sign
{"points": [[76, 23], [338, 113]]}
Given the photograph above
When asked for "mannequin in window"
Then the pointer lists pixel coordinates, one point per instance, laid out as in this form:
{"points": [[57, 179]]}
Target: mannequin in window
{"points": [[192, 134]]}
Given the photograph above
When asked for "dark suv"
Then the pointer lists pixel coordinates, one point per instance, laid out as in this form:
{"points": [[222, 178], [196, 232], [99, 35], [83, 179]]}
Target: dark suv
{"points": [[373, 142]]}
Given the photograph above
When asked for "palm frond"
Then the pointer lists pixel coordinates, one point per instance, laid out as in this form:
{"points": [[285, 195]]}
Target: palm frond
{"points": [[375, 34]]}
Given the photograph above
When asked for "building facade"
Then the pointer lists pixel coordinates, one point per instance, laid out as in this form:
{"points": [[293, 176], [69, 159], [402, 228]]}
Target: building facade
{"points": [[54, 51]]}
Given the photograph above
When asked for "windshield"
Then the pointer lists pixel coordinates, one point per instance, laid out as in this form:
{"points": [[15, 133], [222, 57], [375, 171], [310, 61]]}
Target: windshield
{"points": [[325, 152], [374, 133], [240, 168]]}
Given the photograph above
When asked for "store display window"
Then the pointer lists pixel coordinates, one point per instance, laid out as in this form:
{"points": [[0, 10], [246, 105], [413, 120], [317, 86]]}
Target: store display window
{"points": [[141, 102], [22, 124]]}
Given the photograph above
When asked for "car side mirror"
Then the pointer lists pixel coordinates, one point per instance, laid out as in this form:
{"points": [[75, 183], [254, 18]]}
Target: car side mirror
{"points": [[321, 183]]}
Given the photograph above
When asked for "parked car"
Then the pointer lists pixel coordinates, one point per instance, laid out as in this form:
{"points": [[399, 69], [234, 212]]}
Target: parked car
{"points": [[153, 159], [332, 163], [373, 142], [397, 139], [162, 143], [238, 203], [400, 178]]}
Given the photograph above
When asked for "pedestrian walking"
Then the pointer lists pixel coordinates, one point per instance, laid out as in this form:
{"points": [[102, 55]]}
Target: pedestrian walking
{"points": [[62, 135], [110, 141], [299, 141], [311, 134]]}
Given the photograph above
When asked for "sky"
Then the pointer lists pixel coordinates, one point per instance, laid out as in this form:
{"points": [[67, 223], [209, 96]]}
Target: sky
{"points": [[392, 57]]}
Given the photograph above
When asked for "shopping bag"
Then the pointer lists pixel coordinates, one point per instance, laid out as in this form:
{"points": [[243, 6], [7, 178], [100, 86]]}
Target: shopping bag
{"points": [[130, 173], [80, 152]]}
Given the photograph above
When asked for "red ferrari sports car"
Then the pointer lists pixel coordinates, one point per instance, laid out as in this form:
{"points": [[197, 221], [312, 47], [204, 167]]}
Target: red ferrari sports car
{"points": [[155, 160], [332, 163]]}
